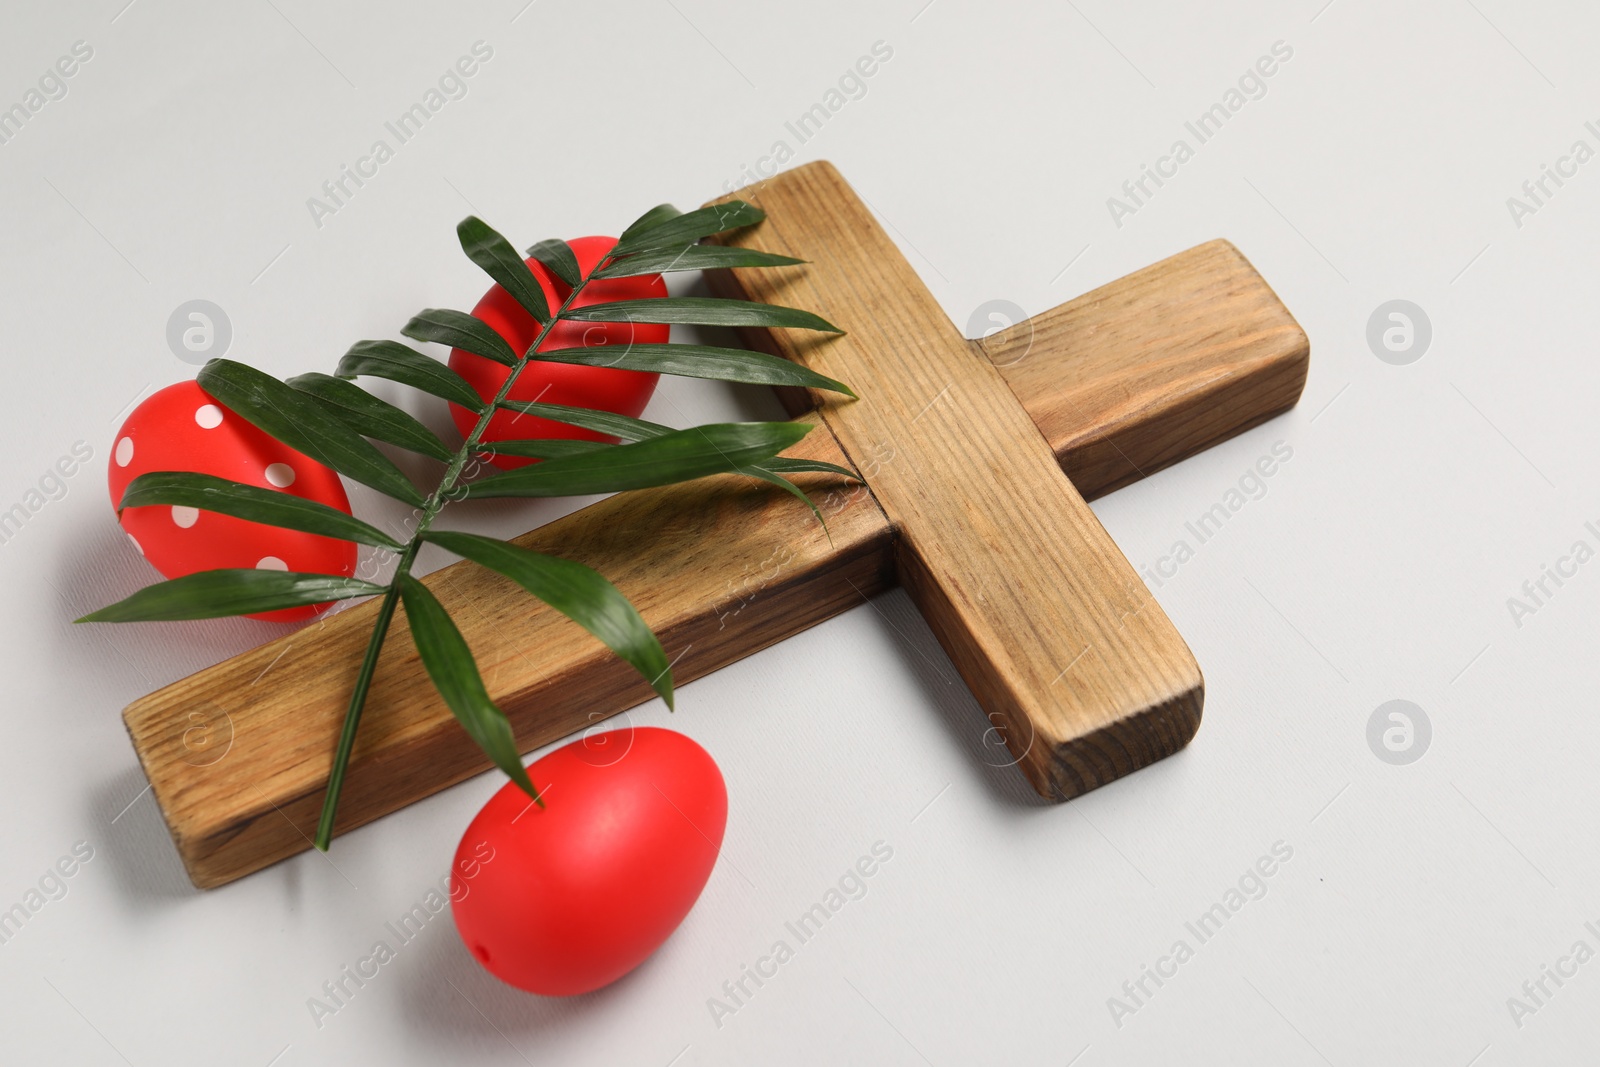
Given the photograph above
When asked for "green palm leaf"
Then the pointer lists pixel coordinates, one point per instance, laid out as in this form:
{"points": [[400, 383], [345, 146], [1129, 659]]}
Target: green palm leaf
{"points": [[701, 311], [679, 230], [303, 422], [691, 257], [217, 594], [606, 422], [403, 364], [678, 456], [494, 254], [785, 465], [369, 416], [764, 474], [449, 663], [557, 255], [457, 329], [578, 592], [543, 447], [285, 510], [650, 220], [697, 361]]}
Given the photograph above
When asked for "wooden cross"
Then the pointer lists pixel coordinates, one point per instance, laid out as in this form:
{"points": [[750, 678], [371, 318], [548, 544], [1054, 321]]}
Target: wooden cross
{"points": [[967, 448]]}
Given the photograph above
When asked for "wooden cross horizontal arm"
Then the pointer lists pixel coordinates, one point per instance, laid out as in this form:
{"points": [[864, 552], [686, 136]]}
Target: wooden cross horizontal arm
{"points": [[1154, 367], [1122, 381]]}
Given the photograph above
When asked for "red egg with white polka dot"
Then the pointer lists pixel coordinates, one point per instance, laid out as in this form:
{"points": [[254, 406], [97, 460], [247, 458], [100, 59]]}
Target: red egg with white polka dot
{"points": [[181, 428]]}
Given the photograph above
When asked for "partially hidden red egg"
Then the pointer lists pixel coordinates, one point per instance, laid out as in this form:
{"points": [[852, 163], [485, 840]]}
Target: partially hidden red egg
{"points": [[570, 897], [182, 428], [624, 392]]}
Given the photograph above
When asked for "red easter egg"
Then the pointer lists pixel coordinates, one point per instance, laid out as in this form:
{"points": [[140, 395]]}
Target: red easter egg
{"points": [[624, 392], [580, 892], [182, 428]]}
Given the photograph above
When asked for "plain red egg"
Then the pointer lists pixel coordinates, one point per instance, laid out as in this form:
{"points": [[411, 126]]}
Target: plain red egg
{"points": [[580, 892], [182, 428], [624, 392]]}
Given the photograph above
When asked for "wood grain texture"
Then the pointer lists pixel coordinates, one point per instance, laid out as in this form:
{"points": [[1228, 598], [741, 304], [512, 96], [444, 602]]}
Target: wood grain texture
{"points": [[1157, 365], [1062, 645], [1154, 367], [733, 567]]}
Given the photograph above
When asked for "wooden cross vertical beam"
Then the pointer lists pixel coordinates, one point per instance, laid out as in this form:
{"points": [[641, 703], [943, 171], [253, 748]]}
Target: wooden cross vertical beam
{"points": [[1061, 643]]}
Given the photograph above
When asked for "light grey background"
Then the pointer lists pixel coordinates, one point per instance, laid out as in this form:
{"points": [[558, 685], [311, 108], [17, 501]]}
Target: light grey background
{"points": [[1376, 567]]}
